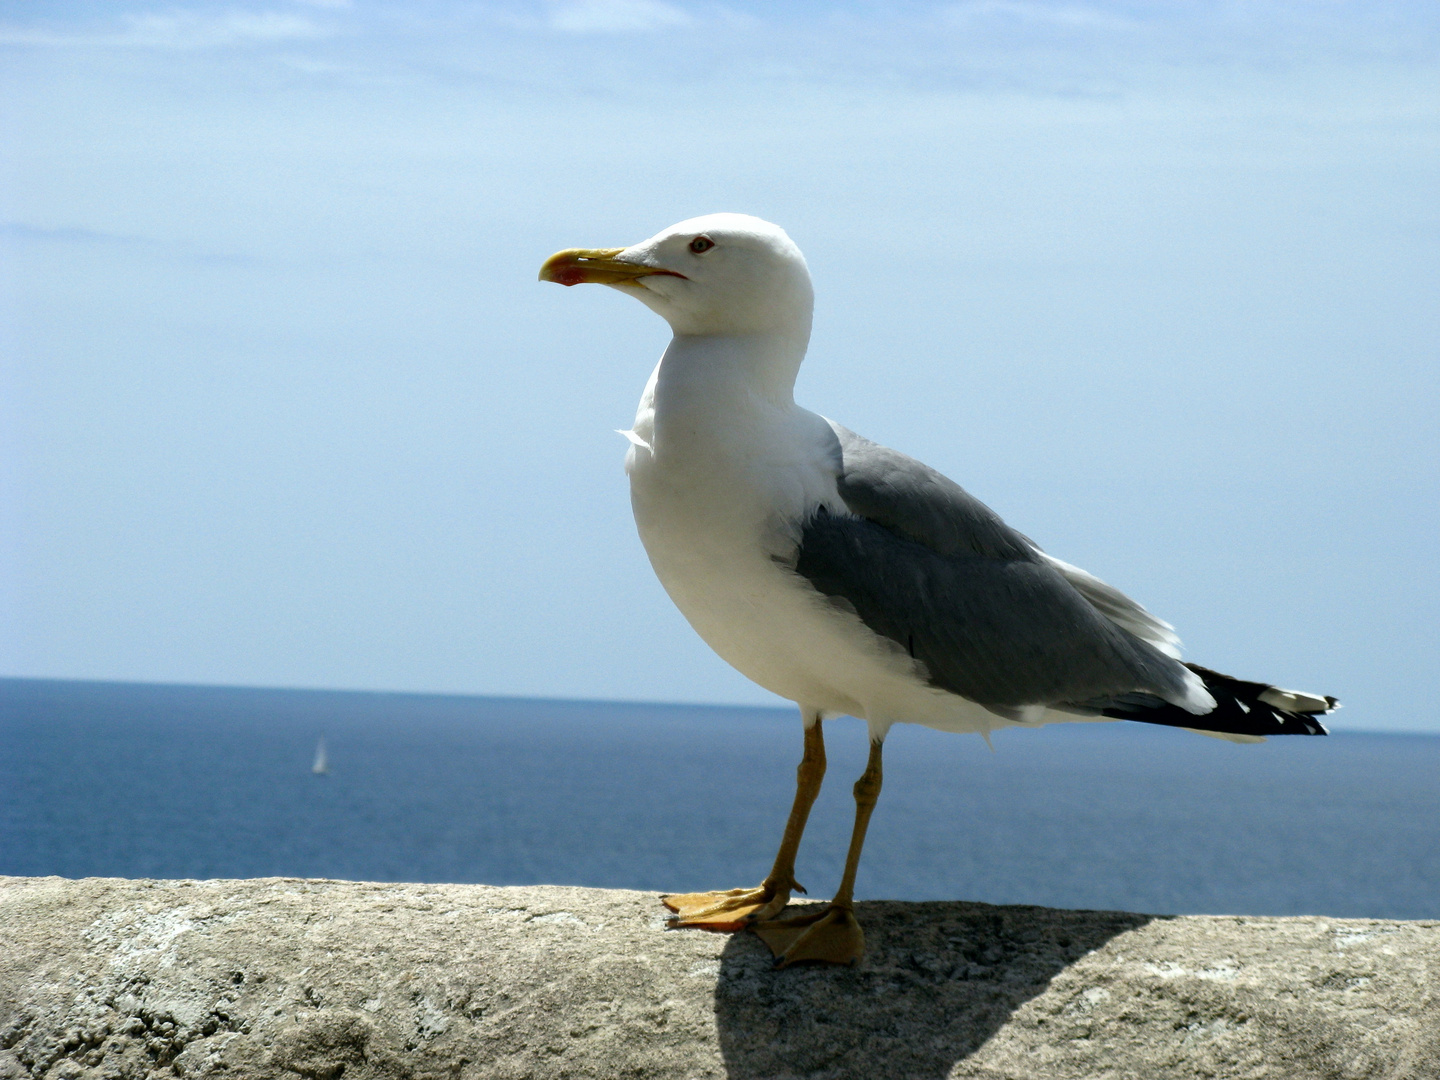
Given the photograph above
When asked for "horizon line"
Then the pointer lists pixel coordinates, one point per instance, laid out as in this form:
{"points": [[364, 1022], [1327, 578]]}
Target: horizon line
{"points": [[785, 708]]}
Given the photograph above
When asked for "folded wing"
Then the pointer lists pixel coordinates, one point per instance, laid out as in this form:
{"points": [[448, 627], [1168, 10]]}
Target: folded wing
{"points": [[994, 620]]}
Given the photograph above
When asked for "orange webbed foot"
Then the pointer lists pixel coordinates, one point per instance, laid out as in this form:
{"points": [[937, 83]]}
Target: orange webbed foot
{"points": [[728, 909], [829, 934]]}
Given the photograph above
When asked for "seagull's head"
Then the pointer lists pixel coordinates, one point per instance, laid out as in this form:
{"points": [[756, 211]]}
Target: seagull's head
{"points": [[718, 274]]}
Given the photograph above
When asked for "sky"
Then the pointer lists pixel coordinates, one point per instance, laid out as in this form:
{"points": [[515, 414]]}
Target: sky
{"points": [[283, 404]]}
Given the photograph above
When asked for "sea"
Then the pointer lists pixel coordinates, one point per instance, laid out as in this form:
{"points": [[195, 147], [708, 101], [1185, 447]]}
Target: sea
{"points": [[133, 780]]}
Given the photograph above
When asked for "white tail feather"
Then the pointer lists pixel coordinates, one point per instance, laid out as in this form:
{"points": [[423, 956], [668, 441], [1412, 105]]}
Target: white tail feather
{"points": [[1294, 700]]}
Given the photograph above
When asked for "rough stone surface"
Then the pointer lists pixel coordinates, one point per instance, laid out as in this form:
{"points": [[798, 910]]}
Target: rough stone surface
{"points": [[323, 979]]}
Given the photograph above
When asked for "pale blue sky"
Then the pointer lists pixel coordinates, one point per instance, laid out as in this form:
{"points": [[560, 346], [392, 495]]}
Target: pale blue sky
{"points": [[283, 403]]}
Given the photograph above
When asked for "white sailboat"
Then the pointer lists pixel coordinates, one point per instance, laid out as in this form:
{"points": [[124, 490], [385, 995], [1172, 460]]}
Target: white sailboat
{"points": [[322, 763]]}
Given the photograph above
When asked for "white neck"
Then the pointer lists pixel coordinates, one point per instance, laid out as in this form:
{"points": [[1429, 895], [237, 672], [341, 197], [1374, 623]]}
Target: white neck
{"points": [[706, 372]]}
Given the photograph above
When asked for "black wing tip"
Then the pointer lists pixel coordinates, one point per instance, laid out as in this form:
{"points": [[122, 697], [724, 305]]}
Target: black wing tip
{"points": [[1227, 721], [1239, 710]]}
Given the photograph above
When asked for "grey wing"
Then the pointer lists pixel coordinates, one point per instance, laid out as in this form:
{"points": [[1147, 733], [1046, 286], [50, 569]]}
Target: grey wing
{"points": [[990, 617], [1118, 608], [919, 503]]}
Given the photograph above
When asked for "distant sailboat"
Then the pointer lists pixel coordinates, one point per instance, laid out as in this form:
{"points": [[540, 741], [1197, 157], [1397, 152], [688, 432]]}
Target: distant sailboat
{"points": [[322, 763]]}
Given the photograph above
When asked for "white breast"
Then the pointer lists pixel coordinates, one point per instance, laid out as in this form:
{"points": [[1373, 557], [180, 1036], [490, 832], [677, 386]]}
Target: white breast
{"points": [[720, 482]]}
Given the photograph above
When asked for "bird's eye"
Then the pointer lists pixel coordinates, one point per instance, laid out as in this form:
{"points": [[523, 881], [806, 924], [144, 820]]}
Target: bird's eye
{"points": [[701, 244]]}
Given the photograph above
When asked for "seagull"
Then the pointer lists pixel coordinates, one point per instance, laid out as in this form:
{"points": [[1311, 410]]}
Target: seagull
{"points": [[851, 579]]}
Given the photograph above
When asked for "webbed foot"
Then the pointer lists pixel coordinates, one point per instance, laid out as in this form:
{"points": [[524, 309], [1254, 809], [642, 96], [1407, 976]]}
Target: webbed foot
{"points": [[728, 909], [829, 935]]}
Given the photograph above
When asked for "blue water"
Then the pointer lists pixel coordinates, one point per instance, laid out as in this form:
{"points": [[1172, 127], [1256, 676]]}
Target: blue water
{"points": [[163, 781]]}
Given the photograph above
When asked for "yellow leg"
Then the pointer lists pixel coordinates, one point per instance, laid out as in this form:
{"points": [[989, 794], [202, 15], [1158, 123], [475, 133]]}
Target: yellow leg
{"points": [[831, 934], [734, 909]]}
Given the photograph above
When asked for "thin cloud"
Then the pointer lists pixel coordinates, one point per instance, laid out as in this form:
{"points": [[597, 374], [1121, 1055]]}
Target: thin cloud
{"points": [[184, 30], [177, 30], [22, 232], [69, 234], [1032, 12], [615, 16]]}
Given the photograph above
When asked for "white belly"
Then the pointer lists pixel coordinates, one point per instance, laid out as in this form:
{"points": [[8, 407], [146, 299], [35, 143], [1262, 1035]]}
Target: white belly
{"points": [[720, 522]]}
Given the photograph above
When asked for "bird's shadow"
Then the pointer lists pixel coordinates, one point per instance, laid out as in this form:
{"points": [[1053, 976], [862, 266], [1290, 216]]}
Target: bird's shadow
{"points": [[937, 981]]}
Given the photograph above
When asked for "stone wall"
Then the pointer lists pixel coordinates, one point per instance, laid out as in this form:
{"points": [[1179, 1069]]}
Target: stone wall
{"points": [[323, 979]]}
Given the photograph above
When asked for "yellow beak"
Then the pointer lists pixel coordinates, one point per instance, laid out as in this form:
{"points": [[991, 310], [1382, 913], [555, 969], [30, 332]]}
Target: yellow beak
{"points": [[597, 266]]}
